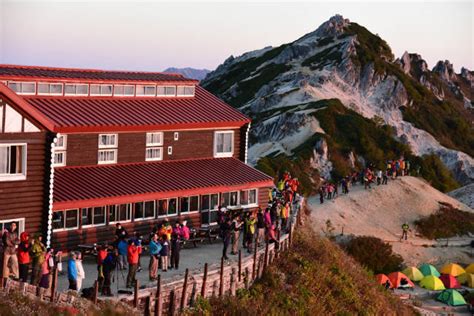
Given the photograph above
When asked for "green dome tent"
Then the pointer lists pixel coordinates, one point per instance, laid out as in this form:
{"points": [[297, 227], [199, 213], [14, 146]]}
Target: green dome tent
{"points": [[428, 269], [451, 297]]}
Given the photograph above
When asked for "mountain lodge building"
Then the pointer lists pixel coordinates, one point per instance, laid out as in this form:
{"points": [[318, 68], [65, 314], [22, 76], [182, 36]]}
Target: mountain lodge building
{"points": [[81, 150]]}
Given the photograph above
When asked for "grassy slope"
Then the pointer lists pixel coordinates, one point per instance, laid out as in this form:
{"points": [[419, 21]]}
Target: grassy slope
{"points": [[315, 278]]}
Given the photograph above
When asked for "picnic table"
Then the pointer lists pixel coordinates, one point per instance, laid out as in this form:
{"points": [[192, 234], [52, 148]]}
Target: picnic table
{"points": [[210, 232]]}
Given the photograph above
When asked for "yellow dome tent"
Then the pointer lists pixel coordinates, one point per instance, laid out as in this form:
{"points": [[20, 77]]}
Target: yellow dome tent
{"points": [[431, 282], [413, 274], [470, 268], [453, 269], [466, 278]]}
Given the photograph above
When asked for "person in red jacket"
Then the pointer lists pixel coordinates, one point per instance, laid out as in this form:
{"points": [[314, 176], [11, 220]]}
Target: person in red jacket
{"points": [[101, 255], [133, 253], [23, 253]]}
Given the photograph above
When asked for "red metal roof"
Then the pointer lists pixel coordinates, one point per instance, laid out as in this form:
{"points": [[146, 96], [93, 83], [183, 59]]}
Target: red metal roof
{"points": [[99, 114], [90, 186], [19, 72]]}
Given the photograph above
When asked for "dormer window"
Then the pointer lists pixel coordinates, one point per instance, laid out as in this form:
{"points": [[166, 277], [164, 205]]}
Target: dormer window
{"points": [[76, 89], [166, 91], [108, 144], [22, 87], [185, 91], [146, 90], [224, 144], [124, 90], [101, 89], [50, 89]]}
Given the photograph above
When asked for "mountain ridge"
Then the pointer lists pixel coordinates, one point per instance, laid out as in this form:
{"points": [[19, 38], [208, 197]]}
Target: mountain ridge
{"points": [[189, 72]]}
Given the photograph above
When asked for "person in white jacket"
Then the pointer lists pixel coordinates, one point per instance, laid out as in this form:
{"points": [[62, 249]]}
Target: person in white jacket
{"points": [[80, 271]]}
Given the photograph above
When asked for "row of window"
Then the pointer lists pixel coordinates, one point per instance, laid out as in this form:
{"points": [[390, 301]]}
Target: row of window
{"points": [[100, 216], [83, 89], [108, 147]]}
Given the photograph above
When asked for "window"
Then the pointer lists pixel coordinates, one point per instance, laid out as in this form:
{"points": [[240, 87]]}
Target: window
{"points": [[60, 159], [248, 197], [176, 136], [154, 153], [68, 219], [170, 150], [107, 156], [108, 140], [194, 203], [185, 91], [7, 223], [166, 207], [119, 213], [209, 205], [50, 88], [124, 90], [23, 87], [61, 142], [229, 199], [154, 139], [76, 89], [145, 90], [172, 207], [144, 210], [162, 207], [101, 89], [168, 91], [224, 144], [183, 205], [12, 162], [92, 217]]}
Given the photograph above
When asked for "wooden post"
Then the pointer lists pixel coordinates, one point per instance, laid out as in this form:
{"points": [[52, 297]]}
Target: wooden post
{"points": [[96, 291], [204, 280], [232, 281], [135, 294], [290, 236], [158, 303], [185, 289], [2, 272], [246, 277], [265, 259], [54, 282], [172, 302], [254, 262], [278, 244], [147, 306], [221, 285], [240, 265]]}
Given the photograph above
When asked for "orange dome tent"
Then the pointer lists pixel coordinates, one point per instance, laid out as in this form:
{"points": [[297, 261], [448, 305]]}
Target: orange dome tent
{"points": [[396, 279], [382, 279]]}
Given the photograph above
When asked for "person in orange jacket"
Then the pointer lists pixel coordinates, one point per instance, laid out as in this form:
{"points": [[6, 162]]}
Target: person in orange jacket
{"points": [[133, 253], [23, 254]]}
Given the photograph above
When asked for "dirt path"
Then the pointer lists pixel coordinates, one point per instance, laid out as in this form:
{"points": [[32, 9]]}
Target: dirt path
{"points": [[382, 210]]}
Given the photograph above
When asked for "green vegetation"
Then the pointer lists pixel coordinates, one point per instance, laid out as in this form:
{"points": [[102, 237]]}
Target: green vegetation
{"points": [[315, 278], [325, 41], [327, 56], [374, 254], [447, 222], [433, 170]]}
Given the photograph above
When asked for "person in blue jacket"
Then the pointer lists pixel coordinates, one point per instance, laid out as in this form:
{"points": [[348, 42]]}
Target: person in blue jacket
{"points": [[72, 271], [122, 248]]}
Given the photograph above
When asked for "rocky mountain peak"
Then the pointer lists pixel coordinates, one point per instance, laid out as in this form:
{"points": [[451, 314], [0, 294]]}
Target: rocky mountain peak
{"points": [[333, 27], [445, 70], [412, 64], [467, 74]]}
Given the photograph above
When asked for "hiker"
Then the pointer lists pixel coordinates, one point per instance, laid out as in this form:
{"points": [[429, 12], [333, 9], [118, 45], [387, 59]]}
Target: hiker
{"points": [[137, 238], [321, 194], [379, 177], [260, 227], [133, 252], [101, 255], [250, 223], [46, 267], [164, 253], [80, 271], [175, 249], [407, 168], [155, 248], [385, 177], [122, 249], [185, 230], [225, 232], [235, 227], [285, 213], [23, 255], [38, 252], [10, 243], [72, 271], [120, 232], [405, 229], [108, 268]]}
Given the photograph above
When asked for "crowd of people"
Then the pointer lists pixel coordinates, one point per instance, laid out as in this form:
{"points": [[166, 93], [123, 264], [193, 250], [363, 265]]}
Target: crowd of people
{"points": [[366, 177]]}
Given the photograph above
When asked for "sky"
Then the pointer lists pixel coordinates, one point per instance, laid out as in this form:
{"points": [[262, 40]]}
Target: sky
{"points": [[154, 35]]}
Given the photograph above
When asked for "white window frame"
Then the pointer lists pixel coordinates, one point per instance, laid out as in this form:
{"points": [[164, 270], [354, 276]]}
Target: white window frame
{"points": [[199, 204], [249, 205], [176, 136], [106, 214], [129, 211], [16, 177], [106, 162], [20, 227], [124, 86], [145, 86], [151, 144], [63, 163], [184, 88], [170, 150], [75, 89], [143, 218], [115, 145], [225, 154], [64, 146], [167, 95], [64, 220], [21, 87], [211, 208], [100, 88], [49, 88], [153, 158]]}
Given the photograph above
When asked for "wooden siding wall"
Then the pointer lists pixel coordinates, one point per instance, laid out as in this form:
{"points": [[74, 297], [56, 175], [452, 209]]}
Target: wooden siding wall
{"points": [[82, 148], [27, 198]]}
